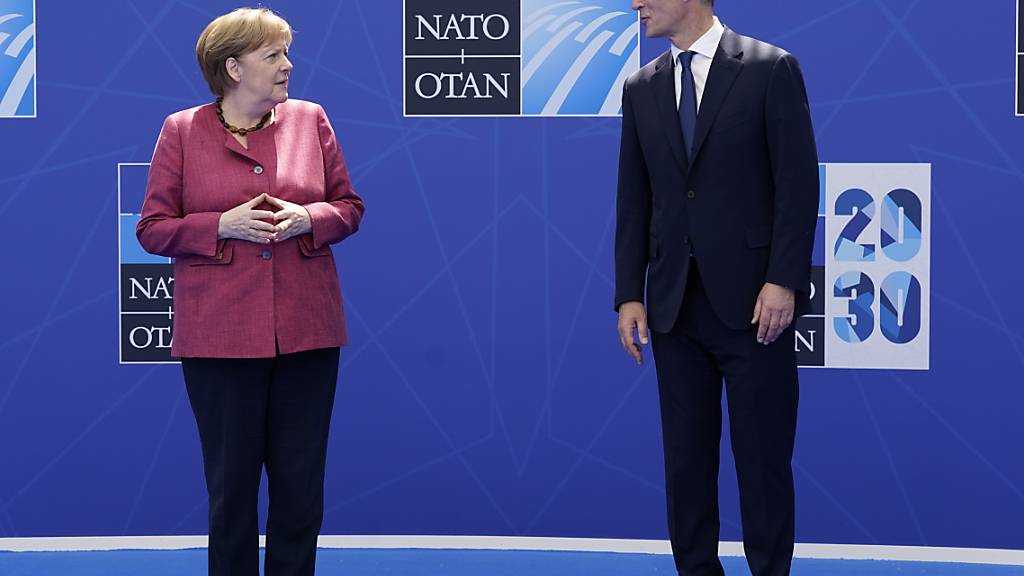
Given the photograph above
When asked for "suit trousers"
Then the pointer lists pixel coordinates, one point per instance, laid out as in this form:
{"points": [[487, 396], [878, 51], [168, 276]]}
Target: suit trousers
{"points": [[256, 412], [691, 360]]}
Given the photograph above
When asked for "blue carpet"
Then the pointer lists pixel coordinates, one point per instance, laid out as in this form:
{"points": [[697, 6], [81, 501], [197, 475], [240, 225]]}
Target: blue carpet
{"points": [[333, 562]]}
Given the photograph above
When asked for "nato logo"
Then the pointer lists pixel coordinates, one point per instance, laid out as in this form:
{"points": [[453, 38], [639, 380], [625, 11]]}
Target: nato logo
{"points": [[462, 57], [17, 59], [518, 57], [576, 56], [146, 282]]}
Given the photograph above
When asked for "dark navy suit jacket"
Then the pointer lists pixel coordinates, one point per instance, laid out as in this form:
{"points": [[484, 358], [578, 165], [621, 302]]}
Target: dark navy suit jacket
{"points": [[746, 205]]}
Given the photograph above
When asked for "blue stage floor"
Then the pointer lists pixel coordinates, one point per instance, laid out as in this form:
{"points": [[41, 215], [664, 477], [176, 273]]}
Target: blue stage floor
{"points": [[348, 562]]}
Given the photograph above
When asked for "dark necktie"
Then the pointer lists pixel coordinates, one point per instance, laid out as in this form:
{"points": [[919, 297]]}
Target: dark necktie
{"points": [[687, 103]]}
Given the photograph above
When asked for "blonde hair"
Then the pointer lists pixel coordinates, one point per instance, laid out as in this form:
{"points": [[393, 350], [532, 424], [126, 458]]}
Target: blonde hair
{"points": [[233, 35]]}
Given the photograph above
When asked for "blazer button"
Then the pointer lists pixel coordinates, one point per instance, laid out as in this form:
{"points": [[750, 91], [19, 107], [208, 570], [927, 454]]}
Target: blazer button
{"points": [[257, 170], [691, 194], [266, 254], [686, 239]]}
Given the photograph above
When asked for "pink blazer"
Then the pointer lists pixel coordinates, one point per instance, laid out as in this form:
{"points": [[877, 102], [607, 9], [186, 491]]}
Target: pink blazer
{"points": [[232, 298]]}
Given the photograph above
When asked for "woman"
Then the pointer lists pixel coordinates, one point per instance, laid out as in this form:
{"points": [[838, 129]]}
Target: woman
{"points": [[247, 194]]}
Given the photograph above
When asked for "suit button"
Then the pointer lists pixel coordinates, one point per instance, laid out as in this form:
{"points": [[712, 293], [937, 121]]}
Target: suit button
{"points": [[686, 239], [257, 170], [691, 194], [266, 254]]}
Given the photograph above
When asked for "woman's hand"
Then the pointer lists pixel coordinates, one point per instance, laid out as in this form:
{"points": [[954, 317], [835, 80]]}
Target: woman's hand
{"points": [[292, 219], [243, 222]]}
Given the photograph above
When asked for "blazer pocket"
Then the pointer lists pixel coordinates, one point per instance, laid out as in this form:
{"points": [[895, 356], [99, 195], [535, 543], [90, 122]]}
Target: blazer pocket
{"points": [[731, 121], [224, 254], [759, 237], [306, 247], [652, 248]]}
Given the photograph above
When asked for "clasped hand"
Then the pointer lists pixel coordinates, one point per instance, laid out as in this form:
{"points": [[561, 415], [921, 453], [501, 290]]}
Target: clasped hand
{"points": [[245, 222]]}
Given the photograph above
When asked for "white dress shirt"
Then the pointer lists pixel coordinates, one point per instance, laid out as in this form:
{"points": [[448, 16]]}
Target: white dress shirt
{"points": [[705, 48]]}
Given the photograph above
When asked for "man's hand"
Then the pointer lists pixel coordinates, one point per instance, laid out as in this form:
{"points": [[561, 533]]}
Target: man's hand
{"points": [[773, 312], [243, 222], [292, 219], [633, 316]]}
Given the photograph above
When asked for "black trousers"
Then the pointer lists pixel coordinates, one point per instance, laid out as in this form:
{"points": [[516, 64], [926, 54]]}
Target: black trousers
{"points": [[762, 391], [256, 412]]}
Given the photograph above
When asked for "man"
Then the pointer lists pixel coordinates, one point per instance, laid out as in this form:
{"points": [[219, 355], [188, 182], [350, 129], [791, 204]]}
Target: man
{"points": [[717, 203]]}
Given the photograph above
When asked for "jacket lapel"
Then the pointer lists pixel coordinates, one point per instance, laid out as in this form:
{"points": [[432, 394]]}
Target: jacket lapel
{"points": [[229, 141], [725, 67], [664, 86], [231, 144]]}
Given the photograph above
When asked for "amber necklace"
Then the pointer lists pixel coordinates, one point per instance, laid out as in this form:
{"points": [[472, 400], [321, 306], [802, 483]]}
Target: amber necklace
{"points": [[241, 131]]}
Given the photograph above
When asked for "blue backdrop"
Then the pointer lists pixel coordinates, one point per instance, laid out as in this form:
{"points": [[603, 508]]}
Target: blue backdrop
{"points": [[484, 391]]}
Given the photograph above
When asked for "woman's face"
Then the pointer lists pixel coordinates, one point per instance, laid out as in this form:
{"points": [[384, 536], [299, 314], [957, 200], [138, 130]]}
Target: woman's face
{"points": [[263, 73]]}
